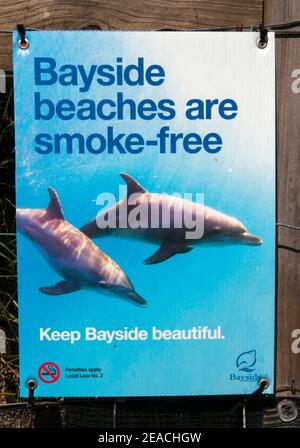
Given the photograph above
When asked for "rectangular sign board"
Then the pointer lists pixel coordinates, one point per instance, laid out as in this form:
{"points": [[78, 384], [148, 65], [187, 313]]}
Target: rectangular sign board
{"points": [[145, 182]]}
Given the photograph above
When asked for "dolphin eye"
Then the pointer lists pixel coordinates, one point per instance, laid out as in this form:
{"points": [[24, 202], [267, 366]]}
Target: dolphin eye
{"points": [[216, 229]]}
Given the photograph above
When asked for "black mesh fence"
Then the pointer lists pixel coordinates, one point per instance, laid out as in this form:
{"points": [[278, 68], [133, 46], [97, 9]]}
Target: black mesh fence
{"points": [[150, 414]]}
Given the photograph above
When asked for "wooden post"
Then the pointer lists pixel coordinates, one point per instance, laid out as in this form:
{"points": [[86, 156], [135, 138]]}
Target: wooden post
{"points": [[288, 195], [122, 15]]}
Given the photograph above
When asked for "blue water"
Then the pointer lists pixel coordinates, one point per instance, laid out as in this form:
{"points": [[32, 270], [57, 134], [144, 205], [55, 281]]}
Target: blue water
{"points": [[230, 286]]}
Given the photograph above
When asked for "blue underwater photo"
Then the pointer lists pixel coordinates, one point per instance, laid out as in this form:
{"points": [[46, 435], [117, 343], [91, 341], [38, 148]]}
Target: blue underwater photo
{"points": [[118, 312]]}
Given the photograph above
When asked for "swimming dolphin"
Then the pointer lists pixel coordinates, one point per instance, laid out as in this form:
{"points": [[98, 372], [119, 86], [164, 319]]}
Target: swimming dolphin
{"points": [[72, 254], [217, 227]]}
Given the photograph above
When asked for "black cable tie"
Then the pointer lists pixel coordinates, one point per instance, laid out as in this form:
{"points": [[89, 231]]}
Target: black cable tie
{"points": [[23, 43], [31, 385], [30, 397], [258, 391], [21, 30], [263, 384], [263, 37], [285, 26], [263, 34]]}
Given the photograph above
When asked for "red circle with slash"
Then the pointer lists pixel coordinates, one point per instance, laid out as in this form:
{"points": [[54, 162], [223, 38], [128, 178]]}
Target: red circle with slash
{"points": [[49, 372]]}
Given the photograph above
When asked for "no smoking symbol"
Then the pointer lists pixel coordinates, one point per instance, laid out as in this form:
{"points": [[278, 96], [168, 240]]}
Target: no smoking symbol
{"points": [[49, 372]]}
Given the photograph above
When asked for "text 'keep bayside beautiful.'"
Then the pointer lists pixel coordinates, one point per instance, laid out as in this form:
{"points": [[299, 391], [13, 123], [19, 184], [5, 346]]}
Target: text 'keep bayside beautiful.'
{"points": [[195, 333]]}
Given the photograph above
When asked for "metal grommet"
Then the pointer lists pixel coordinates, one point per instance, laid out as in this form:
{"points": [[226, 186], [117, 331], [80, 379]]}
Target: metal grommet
{"points": [[31, 384], [23, 45], [261, 44], [264, 383], [287, 410]]}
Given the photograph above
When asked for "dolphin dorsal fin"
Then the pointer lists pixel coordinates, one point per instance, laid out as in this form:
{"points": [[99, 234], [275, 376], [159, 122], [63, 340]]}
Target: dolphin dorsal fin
{"points": [[132, 185], [54, 207]]}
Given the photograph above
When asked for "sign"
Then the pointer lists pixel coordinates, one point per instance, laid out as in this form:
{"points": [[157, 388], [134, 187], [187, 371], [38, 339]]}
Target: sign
{"points": [[145, 173], [49, 372]]}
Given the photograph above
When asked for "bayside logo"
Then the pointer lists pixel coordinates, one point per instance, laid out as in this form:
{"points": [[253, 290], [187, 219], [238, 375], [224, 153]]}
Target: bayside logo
{"points": [[245, 362]]}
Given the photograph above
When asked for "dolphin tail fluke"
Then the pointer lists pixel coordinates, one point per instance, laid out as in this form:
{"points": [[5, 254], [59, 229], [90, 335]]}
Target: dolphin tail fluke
{"points": [[132, 185], [91, 229], [167, 250], [63, 287]]}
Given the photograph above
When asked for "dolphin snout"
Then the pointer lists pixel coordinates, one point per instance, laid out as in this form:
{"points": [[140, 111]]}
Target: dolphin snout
{"points": [[136, 298], [131, 295], [247, 238], [125, 293]]}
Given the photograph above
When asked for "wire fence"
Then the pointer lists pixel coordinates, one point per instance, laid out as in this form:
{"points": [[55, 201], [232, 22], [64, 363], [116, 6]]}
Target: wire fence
{"points": [[135, 414]]}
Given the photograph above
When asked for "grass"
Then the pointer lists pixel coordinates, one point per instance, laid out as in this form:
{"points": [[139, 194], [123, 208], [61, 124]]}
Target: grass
{"points": [[8, 275]]}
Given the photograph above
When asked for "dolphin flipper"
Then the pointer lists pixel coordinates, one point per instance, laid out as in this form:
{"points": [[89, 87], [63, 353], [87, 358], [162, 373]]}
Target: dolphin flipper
{"points": [[167, 250], [63, 287]]}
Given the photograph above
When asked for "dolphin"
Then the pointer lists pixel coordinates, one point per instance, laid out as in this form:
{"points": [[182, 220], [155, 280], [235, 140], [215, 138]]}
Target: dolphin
{"points": [[72, 254], [217, 227]]}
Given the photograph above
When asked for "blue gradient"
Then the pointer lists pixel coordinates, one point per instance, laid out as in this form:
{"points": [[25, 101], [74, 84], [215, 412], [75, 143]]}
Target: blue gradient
{"points": [[230, 286]]}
